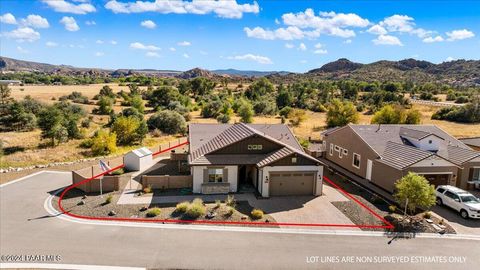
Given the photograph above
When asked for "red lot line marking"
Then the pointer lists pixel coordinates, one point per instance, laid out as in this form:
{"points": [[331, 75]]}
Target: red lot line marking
{"points": [[387, 226]]}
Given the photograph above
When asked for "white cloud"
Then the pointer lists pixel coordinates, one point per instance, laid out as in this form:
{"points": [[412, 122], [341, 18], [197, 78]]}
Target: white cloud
{"points": [[277, 21], [22, 50], [152, 54], [251, 57], [308, 25], [148, 24], [99, 41], [68, 7], [398, 23], [203, 53], [348, 41], [302, 47], [320, 51], [35, 21], [51, 44], [387, 40], [377, 30], [184, 43], [186, 55], [90, 23], [113, 42], [459, 34], [449, 59], [22, 34], [140, 46], [70, 24], [433, 39], [8, 18], [99, 54], [224, 9], [289, 45], [172, 49], [318, 46]]}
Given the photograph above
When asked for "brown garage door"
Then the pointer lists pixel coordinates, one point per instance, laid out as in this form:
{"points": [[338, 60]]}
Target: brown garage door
{"points": [[291, 183], [437, 179]]}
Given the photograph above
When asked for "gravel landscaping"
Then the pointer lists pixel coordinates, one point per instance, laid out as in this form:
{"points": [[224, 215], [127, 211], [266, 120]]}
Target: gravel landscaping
{"points": [[94, 205]]}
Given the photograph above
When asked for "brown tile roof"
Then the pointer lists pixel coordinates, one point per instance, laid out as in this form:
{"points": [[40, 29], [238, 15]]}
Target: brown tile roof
{"points": [[471, 141], [202, 142], [401, 156], [459, 155], [274, 156]]}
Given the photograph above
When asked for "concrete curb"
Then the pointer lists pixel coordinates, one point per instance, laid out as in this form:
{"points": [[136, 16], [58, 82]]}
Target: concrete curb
{"points": [[52, 211]]}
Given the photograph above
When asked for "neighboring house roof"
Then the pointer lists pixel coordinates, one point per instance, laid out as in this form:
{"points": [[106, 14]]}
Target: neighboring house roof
{"points": [[208, 138], [401, 156], [471, 141], [394, 146], [141, 152]]}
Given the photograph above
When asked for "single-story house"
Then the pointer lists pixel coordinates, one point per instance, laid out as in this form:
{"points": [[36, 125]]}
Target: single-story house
{"points": [[382, 154], [266, 157]]}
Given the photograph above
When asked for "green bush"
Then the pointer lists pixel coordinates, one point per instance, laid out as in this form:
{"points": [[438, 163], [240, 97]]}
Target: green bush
{"points": [[109, 199], [256, 213], [147, 189], [118, 172], [154, 212], [230, 211], [168, 122], [104, 143], [392, 208], [218, 203], [230, 201], [427, 214], [195, 210], [182, 207]]}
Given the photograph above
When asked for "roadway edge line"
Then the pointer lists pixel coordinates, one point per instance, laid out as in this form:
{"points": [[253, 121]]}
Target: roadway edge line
{"points": [[30, 175]]}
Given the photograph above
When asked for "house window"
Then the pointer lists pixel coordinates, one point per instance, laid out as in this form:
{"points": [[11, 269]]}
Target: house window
{"points": [[476, 174], [430, 141], [294, 160], [331, 149], [356, 160], [215, 175], [255, 147]]}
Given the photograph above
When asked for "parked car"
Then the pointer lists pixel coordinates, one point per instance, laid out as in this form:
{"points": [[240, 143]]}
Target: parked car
{"points": [[460, 200]]}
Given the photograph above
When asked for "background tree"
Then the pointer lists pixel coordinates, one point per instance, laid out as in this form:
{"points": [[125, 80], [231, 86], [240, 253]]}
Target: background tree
{"points": [[284, 97], [417, 190], [126, 130], [107, 91], [168, 122], [259, 89], [390, 114], [341, 113], [137, 102], [245, 111], [105, 105], [104, 143], [297, 116]]}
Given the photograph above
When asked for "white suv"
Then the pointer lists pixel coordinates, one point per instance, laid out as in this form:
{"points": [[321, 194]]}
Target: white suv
{"points": [[460, 200]]}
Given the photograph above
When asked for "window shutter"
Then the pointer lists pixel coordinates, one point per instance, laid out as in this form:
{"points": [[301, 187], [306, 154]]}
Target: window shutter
{"points": [[225, 175], [205, 175]]}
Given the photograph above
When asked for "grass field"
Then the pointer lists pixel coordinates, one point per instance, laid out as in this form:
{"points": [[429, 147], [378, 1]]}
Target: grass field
{"points": [[25, 148]]}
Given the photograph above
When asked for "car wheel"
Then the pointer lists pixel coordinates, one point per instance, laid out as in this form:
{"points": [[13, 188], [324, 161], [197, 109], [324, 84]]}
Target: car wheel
{"points": [[439, 201], [464, 214]]}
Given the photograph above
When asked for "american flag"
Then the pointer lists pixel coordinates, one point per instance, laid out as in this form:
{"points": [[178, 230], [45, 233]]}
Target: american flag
{"points": [[104, 166]]}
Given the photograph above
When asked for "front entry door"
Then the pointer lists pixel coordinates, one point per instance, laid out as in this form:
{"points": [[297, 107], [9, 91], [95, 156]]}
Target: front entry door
{"points": [[369, 170]]}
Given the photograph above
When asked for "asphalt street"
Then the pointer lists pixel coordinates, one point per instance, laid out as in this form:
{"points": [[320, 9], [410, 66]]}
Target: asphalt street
{"points": [[26, 228]]}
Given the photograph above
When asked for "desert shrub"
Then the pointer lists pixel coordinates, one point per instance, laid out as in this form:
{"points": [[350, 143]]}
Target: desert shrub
{"points": [[392, 208], [341, 113], [285, 111], [223, 118], [218, 203], [196, 209], [297, 116], [156, 133], [154, 212], [147, 189], [470, 113], [105, 106], [118, 172], [230, 201], [109, 199], [265, 107], [129, 130], [182, 207], [87, 143], [245, 111], [427, 214], [86, 123], [230, 211], [461, 99], [168, 122], [104, 143], [256, 213]]}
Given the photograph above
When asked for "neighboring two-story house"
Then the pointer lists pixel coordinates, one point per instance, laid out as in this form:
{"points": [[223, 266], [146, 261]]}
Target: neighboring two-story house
{"points": [[382, 154], [267, 157]]}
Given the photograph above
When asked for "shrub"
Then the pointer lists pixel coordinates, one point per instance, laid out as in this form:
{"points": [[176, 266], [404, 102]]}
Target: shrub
{"points": [[256, 213], [285, 111], [109, 199], [182, 207], [85, 123], [297, 116], [195, 210], [118, 172], [147, 189], [156, 133], [154, 212], [461, 99], [104, 143], [392, 208], [230, 201], [197, 201], [218, 203], [86, 143], [230, 211], [169, 122], [128, 130], [341, 113], [427, 214]]}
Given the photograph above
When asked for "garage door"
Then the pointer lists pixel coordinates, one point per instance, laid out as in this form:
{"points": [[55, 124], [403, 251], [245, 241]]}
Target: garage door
{"points": [[437, 179], [291, 183]]}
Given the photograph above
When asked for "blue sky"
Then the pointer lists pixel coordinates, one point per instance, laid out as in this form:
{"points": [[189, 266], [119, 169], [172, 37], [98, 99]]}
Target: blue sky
{"points": [[243, 34]]}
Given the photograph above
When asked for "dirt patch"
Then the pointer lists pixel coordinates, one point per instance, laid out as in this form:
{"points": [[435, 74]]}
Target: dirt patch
{"points": [[95, 205], [419, 223]]}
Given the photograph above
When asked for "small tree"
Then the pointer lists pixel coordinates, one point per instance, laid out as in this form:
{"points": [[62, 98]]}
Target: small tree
{"points": [[105, 105], [137, 103], [169, 122], [104, 143], [416, 190], [126, 129], [246, 112], [297, 116], [341, 113], [389, 115]]}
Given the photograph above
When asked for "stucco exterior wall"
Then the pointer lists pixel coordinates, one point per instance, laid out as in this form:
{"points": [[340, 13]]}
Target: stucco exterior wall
{"points": [[464, 174], [265, 172]]}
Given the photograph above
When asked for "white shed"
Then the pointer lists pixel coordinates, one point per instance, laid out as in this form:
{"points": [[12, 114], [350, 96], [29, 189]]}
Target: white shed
{"points": [[138, 159]]}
